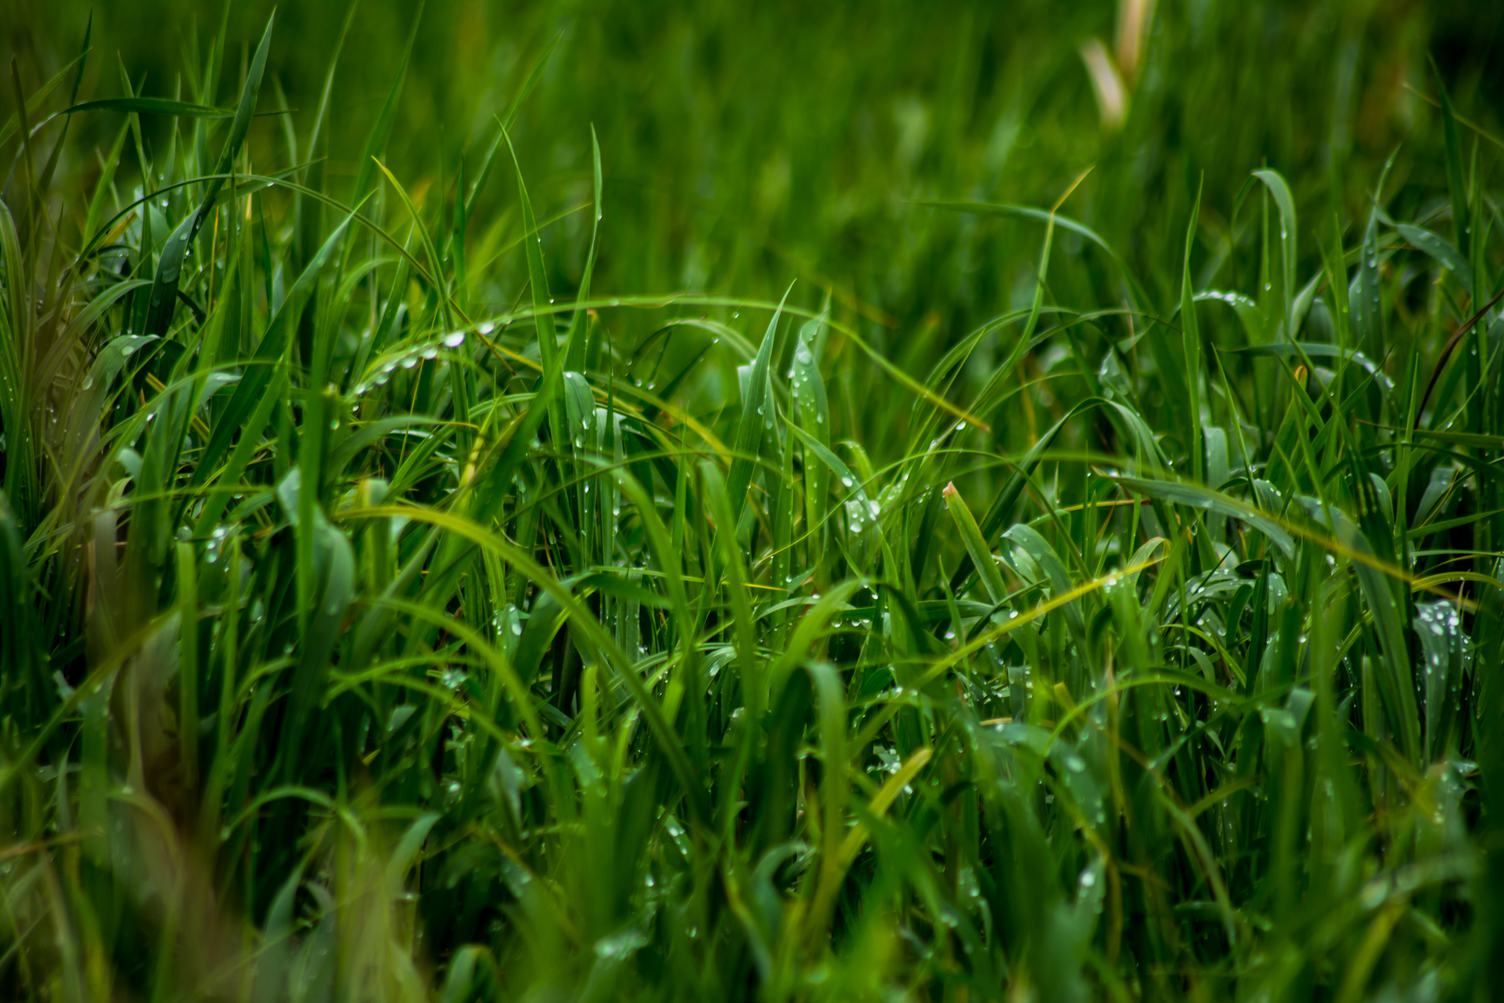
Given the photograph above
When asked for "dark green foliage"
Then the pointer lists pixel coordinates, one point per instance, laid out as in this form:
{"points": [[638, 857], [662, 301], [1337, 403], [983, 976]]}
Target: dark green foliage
{"points": [[442, 556]]}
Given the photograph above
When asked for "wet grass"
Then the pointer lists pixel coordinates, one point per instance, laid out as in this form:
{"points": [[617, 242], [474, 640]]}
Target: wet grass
{"points": [[439, 563]]}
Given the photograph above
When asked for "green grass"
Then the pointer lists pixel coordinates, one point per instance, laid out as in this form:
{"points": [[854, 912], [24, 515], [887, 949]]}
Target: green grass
{"points": [[751, 504]]}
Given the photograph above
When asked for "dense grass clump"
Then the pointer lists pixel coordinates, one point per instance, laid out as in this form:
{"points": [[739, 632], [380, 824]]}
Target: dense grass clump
{"points": [[429, 572]]}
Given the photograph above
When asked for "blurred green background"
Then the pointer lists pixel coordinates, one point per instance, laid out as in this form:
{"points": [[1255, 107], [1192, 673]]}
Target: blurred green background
{"points": [[747, 145]]}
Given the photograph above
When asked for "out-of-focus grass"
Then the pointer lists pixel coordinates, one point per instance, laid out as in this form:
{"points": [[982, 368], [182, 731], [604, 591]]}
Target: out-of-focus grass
{"points": [[443, 557]]}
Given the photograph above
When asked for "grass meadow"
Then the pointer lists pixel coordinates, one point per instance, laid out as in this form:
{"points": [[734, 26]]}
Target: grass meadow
{"points": [[784, 502]]}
